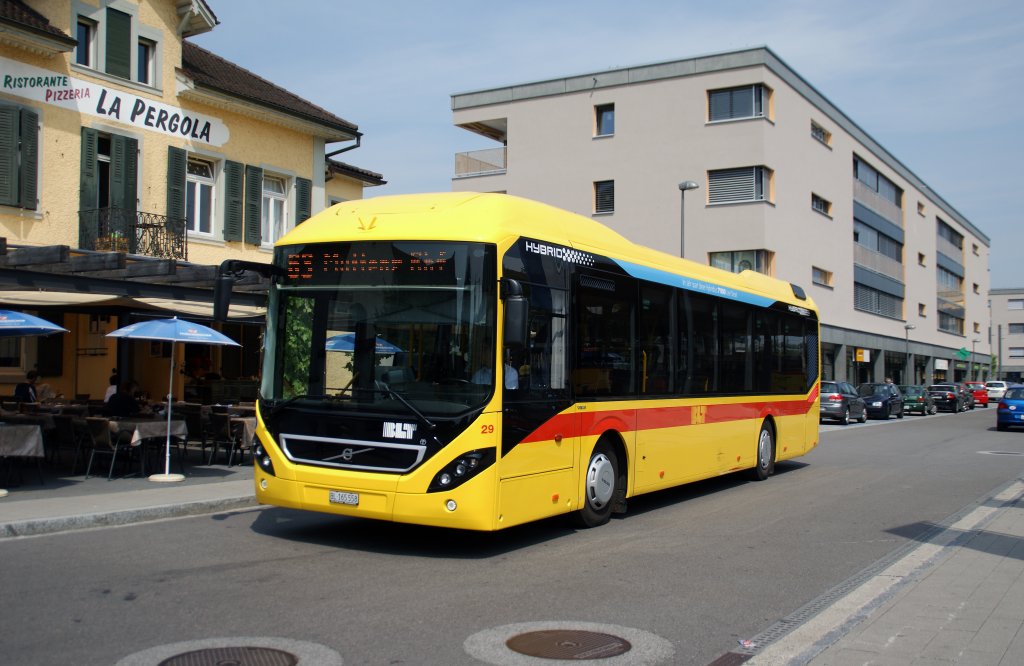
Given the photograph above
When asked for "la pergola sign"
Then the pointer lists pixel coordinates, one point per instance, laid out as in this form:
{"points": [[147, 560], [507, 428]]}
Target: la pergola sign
{"points": [[65, 91]]}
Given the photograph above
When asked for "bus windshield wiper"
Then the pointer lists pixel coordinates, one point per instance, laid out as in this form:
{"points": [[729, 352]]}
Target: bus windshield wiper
{"points": [[276, 405], [385, 388]]}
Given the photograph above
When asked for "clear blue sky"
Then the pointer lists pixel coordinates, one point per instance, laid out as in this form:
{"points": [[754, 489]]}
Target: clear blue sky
{"points": [[938, 83]]}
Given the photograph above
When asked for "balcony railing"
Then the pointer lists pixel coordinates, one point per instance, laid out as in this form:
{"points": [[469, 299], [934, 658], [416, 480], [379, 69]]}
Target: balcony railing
{"points": [[480, 162], [880, 205], [949, 248], [132, 231], [878, 262]]}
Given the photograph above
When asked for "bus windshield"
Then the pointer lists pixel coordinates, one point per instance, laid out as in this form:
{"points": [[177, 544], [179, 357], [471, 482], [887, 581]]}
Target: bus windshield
{"points": [[383, 327]]}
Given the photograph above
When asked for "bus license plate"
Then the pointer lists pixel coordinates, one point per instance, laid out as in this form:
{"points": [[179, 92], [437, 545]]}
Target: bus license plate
{"points": [[342, 497]]}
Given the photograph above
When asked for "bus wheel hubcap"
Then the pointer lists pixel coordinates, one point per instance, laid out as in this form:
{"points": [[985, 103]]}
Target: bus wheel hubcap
{"points": [[600, 481], [764, 450]]}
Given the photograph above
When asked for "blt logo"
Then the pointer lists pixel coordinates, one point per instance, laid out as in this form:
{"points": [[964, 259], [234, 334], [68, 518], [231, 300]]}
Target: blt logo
{"points": [[399, 430]]}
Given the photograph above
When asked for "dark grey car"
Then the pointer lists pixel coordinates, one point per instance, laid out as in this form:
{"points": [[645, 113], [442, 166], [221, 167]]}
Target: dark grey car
{"points": [[840, 402], [882, 400]]}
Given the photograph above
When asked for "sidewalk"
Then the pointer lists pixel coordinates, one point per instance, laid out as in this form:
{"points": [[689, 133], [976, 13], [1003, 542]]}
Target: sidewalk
{"points": [[954, 597], [65, 502]]}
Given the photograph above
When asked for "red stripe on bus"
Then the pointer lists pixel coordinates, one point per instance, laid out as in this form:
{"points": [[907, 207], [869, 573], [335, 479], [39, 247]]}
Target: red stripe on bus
{"points": [[651, 418]]}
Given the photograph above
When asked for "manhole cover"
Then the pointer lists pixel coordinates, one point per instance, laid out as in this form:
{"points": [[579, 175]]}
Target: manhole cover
{"points": [[233, 656], [568, 644]]}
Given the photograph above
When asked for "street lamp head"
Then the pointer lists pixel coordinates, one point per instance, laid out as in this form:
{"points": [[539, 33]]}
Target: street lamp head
{"points": [[688, 185], [909, 327]]}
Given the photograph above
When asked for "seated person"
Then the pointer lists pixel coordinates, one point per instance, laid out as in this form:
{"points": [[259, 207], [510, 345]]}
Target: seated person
{"points": [[26, 390], [123, 403], [485, 376]]}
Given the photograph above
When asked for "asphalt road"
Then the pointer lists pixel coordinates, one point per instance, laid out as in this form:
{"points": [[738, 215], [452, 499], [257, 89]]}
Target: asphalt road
{"points": [[703, 566]]}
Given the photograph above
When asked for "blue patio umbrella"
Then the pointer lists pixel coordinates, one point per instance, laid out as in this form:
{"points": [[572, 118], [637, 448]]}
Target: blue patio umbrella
{"points": [[346, 342], [14, 324], [171, 330]]}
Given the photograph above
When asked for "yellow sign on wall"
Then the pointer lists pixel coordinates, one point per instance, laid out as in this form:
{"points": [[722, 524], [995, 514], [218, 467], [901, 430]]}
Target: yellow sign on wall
{"points": [[862, 355]]}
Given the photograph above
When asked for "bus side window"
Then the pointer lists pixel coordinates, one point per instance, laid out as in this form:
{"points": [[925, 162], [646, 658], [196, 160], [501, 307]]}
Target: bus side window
{"points": [[541, 364]]}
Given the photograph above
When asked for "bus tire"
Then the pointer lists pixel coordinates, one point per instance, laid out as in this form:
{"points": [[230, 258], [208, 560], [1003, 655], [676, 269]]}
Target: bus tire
{"points": [[600, 487], [765, 465]]}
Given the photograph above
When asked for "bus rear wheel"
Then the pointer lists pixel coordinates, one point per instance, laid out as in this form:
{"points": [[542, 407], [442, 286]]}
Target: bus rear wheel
{"points": [[600, 487], [765, 466]]}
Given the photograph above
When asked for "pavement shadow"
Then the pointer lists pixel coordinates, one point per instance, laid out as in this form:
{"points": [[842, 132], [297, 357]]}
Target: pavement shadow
{"points": [[984, 541]]}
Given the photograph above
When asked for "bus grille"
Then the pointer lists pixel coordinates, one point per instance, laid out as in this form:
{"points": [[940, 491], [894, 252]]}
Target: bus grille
{"points": [[352, 454]]}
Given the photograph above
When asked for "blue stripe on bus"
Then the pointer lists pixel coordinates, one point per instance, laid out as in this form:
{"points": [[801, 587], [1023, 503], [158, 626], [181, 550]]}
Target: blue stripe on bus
{"points": [[683, 282]]}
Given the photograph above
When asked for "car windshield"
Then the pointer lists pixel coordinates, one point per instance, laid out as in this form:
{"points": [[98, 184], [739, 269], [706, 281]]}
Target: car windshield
{"points": [[1014, 394], [873, 389], [829, 387], [911, 390]]}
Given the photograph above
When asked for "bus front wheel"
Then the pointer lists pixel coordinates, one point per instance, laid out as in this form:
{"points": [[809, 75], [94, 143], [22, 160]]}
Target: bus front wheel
{"points": [[599, 487], [765, 466]]}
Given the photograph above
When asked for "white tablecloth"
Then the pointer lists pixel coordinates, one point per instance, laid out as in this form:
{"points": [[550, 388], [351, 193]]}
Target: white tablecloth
{"points": [[149, 429], [21, 440]]}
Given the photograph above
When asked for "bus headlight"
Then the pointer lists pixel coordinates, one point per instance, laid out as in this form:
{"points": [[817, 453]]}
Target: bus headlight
{"points": [[462, 469], [262, 458]]}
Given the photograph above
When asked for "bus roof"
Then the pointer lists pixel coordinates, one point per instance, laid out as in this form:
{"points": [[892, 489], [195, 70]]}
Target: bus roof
{"points": [[502, 219]]}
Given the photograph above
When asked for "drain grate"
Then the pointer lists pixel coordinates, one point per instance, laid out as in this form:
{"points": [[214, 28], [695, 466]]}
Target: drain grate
{"points": [[233, 656], [569, 644]]}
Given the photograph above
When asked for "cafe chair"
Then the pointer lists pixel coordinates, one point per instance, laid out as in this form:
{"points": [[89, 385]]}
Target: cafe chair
{"points": [[223, 436], [104, 444], [193, 417]]}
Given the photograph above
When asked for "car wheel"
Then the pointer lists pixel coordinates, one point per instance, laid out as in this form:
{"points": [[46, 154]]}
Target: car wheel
{"points": [[863, 416], [600, 487], [845, 418], [765, 466]]}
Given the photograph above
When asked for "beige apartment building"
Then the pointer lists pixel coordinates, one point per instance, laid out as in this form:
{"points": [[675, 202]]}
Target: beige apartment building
{"points": [[132, 162], [1007, 333], [735, 160]]}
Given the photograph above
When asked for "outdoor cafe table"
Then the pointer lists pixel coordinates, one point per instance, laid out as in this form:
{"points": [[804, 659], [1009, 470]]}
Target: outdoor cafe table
{"points": [[22, 441], [148, 429]]}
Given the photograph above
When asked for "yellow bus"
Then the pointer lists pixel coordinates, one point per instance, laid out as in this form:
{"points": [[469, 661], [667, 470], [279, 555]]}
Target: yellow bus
{"points": [[479, 361]]}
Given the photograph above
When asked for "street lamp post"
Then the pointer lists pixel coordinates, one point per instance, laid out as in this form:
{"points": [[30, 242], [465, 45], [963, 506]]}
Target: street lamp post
{"points": [[907, 328], [683, 186]]}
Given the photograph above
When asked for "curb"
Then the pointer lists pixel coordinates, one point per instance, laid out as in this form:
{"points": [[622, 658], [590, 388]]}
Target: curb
{"points": [[37, 526]]}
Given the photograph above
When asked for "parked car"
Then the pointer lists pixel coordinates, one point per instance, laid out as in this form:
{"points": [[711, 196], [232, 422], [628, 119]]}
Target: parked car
{"points": [[979, 392], [882, 400], [947, 397], [967, 393], [840, 402], [917, 399], [996, 389], [1010, 411]]}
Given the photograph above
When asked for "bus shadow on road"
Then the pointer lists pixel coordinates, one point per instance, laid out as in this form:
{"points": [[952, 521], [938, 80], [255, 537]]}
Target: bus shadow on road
{"points": [[383, 537]]}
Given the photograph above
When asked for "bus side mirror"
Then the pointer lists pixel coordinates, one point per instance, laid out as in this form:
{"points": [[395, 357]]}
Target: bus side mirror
{"points": [[517, 310]]}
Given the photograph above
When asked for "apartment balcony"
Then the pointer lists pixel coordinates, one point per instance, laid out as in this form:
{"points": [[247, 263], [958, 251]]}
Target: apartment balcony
{"points": [[877, 262], [134, 232], [872, 200], [948, 248], [487, 162]]}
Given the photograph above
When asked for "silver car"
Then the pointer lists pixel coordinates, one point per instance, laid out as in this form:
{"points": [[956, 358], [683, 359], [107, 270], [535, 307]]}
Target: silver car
{"points": [[996, 390]]}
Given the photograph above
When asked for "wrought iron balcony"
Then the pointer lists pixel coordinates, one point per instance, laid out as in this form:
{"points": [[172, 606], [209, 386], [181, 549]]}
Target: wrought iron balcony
{"points": [[134, 232]]}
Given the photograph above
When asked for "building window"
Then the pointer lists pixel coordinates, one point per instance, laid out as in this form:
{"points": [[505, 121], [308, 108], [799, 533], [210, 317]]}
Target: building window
{"points": [[821, 276], [876, 182], [977, 327], [118, 44], [604, 196], [976, 288], [823, 206], [877, 302], [920, 259], [19, 156], [821, 134], [950, 234], [875, 240], [735, 103], [1016, 352], [604, 120], [1015, 329], [275, 217], [739, 185], [144, 68], [974, 249], [742, 260], [922, 310], [920, 208], [951, 323], [1015, 304], [199, 197], [85, 53]]}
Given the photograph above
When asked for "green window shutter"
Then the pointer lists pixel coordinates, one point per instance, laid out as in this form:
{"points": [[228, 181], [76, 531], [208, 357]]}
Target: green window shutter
{"points": [[303, 197], [177, 165], [233, 197], [119, 44], [9, 127], [253, 204], [88, 191], [29, 158], [123, 172]]}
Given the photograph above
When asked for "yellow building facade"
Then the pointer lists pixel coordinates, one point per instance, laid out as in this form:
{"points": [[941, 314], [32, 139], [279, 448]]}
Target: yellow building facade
{"points": [[119, 136]]}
